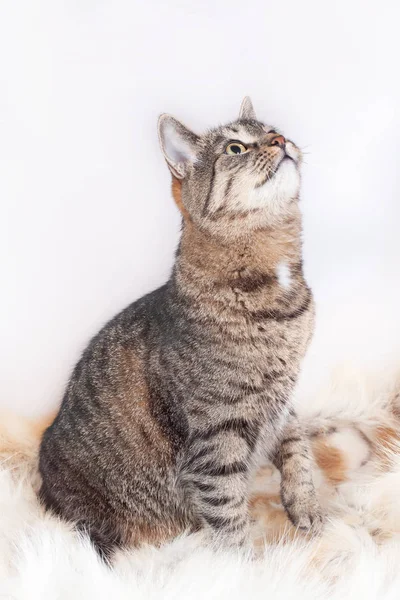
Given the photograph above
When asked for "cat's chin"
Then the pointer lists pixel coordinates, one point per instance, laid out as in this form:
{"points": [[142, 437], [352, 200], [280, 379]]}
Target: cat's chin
{"points": [[286, 180], [278, 191]]}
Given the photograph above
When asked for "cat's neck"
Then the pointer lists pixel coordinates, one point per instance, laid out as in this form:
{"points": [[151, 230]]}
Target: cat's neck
{"points": [[261, 251]]}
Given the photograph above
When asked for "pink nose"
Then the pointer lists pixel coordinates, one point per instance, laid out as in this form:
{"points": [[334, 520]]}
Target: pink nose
{"points": [[278, 140]]}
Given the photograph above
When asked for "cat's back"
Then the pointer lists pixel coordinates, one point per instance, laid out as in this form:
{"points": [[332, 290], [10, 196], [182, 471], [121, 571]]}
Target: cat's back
{"points": [[112, 410], [113, 366]]}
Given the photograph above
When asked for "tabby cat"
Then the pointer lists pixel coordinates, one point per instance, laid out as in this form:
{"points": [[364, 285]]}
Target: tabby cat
{"points": [[176, 399]]}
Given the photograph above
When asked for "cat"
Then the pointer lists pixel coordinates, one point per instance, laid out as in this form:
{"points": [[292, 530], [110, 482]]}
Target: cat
{"points": [[174, 402]]}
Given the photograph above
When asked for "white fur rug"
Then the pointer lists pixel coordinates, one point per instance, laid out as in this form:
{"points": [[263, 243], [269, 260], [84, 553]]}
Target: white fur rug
{"points": [[353, 414]]}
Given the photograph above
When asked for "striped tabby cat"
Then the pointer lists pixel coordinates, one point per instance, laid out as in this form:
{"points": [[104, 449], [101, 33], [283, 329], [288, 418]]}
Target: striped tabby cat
{"points": [[175, 400]]}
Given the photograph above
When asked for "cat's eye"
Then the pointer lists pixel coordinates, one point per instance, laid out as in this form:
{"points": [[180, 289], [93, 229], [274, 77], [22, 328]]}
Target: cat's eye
{"points": [[235, 148]]}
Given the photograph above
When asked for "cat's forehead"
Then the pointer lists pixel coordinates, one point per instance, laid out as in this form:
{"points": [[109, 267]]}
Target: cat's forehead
{"points": [[246, 131]]}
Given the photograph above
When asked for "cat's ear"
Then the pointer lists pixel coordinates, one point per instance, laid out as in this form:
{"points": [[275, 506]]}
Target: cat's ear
{"points": [[178, 143], [247, 110]]}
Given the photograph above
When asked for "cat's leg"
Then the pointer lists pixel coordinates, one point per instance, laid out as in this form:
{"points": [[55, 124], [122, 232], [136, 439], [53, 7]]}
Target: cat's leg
{"points": [[294, 461], [217, 470]]}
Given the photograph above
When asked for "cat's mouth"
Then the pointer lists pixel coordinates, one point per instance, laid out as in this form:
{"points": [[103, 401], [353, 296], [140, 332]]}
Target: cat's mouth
{"points": [[292, 152], [285, 159]]}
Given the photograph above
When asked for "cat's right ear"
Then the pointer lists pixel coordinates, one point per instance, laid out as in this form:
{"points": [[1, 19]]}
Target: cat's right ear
{"points": [[178, 143]]}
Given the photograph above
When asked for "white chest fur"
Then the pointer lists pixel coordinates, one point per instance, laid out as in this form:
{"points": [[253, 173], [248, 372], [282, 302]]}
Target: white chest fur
{"points": [[283, 275]]}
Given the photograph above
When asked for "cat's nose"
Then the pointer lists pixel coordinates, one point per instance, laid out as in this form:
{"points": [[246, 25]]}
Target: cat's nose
{"points": [[278, 140]]}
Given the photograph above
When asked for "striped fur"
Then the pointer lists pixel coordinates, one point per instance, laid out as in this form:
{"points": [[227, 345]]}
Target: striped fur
{"points": [[174, 402]]}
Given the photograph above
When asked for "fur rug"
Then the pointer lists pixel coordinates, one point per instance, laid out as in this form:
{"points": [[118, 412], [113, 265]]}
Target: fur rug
{"points": [[358, 477]]}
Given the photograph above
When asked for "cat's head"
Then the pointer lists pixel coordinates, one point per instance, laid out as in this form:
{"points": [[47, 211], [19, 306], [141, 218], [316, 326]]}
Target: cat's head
{"points": [[234, 178]]}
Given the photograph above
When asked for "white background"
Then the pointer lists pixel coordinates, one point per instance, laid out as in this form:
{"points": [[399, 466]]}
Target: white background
{"points": [[87, 221]]}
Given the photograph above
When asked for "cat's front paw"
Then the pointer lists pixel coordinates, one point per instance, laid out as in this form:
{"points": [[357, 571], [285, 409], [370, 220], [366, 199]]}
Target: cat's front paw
{"points": [[305, 513]]}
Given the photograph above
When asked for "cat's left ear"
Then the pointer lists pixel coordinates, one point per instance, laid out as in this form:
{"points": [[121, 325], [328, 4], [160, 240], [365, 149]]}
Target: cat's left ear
{"points": [[178, 143], [247, 110]]}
